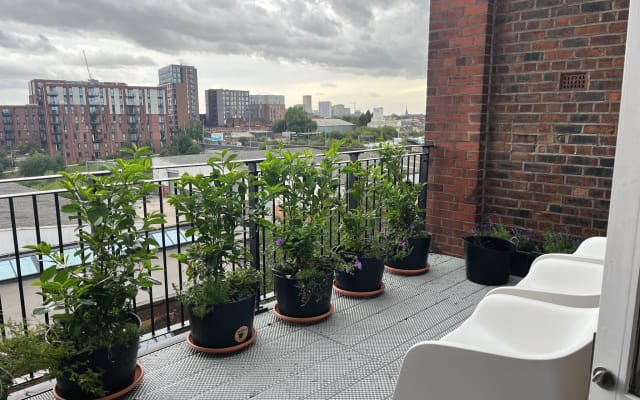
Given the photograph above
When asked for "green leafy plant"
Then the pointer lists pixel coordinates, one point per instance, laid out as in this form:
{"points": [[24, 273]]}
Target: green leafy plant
{"points": [[90, 303], [494, 229], [558, 242], [305, 191], [214, 205], [526, 240], [21, 351], [404, 217], [362, 229]]}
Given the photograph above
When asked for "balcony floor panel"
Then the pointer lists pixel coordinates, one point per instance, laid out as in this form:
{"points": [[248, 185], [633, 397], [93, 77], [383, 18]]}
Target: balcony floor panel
{"points": [[355, 354]]}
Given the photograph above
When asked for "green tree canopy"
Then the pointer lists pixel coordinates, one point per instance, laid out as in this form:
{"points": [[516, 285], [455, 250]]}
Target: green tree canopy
{"points": [[39, 163], [183, 144], [195, 130], [365, 118], [295, 120]]}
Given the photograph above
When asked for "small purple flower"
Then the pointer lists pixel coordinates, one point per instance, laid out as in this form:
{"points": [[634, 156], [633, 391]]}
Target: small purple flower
{"points": [[278, 242], [403, 244], [412, 227], [358, 262]]}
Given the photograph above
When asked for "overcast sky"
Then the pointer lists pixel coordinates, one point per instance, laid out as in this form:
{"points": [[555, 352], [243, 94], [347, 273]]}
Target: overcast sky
{"points": [[371, 53]]}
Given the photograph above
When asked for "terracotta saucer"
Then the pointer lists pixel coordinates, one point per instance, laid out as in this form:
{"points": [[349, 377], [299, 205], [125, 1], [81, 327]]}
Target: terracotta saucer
{"points": [[408, 272], [136, 380], [303, 320], [223, 350], [359, 295]]}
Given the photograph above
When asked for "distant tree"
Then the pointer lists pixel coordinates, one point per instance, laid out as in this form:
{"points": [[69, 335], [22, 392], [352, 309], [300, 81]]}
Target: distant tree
{"points": [[183, 144], [365, 118], [195, 130], [5, 161], [296, 120], [351, 118], [39, 164], [279, 126]]}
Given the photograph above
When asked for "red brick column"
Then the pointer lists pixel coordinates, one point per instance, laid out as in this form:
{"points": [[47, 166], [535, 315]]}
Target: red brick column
{"points": [[456, 117]]}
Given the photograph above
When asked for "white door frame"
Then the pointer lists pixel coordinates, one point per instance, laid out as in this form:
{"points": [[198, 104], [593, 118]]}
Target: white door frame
{"points": [[617, 327]]}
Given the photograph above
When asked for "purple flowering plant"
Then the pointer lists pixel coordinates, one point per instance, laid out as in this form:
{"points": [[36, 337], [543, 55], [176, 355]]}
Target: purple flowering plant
{"points": [[303, 189]]}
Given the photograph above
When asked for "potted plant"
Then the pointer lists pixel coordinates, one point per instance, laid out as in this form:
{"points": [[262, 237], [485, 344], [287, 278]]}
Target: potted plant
{"points": [[305, 193], [558, 242], [405, 219], [90, 303], [528, 248], [221, 291], [487, 254], [21, 351], [363, 240]]}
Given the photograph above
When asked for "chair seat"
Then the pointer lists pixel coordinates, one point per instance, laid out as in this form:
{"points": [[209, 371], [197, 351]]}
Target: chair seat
{"points": [[510, 348]]}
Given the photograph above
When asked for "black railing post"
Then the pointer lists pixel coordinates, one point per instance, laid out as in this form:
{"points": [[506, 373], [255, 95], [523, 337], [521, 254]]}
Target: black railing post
{"points": [[16, 249], [424, 178], [351, 179], [165, 265], [254, 232]]}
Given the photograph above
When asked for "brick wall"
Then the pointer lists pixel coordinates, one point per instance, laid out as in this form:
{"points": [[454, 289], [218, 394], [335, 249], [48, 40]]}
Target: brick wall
{"points": [[510, 142]]}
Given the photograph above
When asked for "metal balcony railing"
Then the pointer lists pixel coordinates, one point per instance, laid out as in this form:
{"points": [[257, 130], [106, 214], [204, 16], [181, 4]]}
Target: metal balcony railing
{"points": [[29, 216]]}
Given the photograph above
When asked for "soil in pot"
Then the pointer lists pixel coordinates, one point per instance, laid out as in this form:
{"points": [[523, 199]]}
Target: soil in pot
{"points": [[366, 279], [118, 362], [291, 302], [488, 259], [416, 259], [227, 325]]}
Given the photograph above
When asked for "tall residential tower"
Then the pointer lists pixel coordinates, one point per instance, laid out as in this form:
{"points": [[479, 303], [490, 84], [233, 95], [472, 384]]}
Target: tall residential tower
{"points": [[181, 82]]}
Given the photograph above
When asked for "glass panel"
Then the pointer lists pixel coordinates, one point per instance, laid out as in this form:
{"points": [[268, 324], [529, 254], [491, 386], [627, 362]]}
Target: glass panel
{"points": [[172, 237], [27, 266], [6, 271]]}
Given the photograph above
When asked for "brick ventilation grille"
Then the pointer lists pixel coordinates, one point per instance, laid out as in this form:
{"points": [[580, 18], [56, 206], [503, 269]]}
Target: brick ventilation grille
{"points": [[573, 81]]}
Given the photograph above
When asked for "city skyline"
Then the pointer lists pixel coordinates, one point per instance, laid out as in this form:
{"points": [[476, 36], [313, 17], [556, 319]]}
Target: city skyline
{"points": [[335, 51]]}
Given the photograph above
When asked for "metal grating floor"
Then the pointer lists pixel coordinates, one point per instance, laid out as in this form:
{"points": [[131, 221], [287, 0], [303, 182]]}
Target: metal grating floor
{"points": [[355, 354]]}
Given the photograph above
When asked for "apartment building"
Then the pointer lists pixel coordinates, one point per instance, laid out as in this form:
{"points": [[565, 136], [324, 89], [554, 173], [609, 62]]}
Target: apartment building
{"points": [[181, 82], [324, 109], [227, 107], [266, 109], [94, 120], [20, 127], [306, 104]]}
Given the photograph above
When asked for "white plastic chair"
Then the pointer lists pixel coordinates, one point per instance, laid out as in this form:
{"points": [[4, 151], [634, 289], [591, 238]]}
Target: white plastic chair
{"points": [[594, 247], [510, 348], [562, 279]]}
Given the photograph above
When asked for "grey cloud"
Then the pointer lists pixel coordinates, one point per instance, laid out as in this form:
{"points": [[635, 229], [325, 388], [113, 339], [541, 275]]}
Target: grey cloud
{"points": [[379, 37], [35, 43]]}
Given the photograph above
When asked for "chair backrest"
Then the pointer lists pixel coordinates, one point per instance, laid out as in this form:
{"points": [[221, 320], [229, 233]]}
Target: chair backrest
{"points": [[593, 247]]}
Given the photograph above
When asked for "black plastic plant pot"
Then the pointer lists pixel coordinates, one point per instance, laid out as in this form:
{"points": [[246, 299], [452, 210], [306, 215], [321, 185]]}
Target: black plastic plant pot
{"points": [[118, 364], [521, 262], [290, 300], [225, 326], [417, 258], [367, 279], [488, 259]]}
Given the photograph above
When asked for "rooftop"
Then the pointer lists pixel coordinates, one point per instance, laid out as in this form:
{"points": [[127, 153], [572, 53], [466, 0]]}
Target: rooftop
{"points": [[355, 354]]}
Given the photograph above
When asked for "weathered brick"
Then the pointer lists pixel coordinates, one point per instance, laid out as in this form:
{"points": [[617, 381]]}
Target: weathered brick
{"points": [[549, 154]]}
